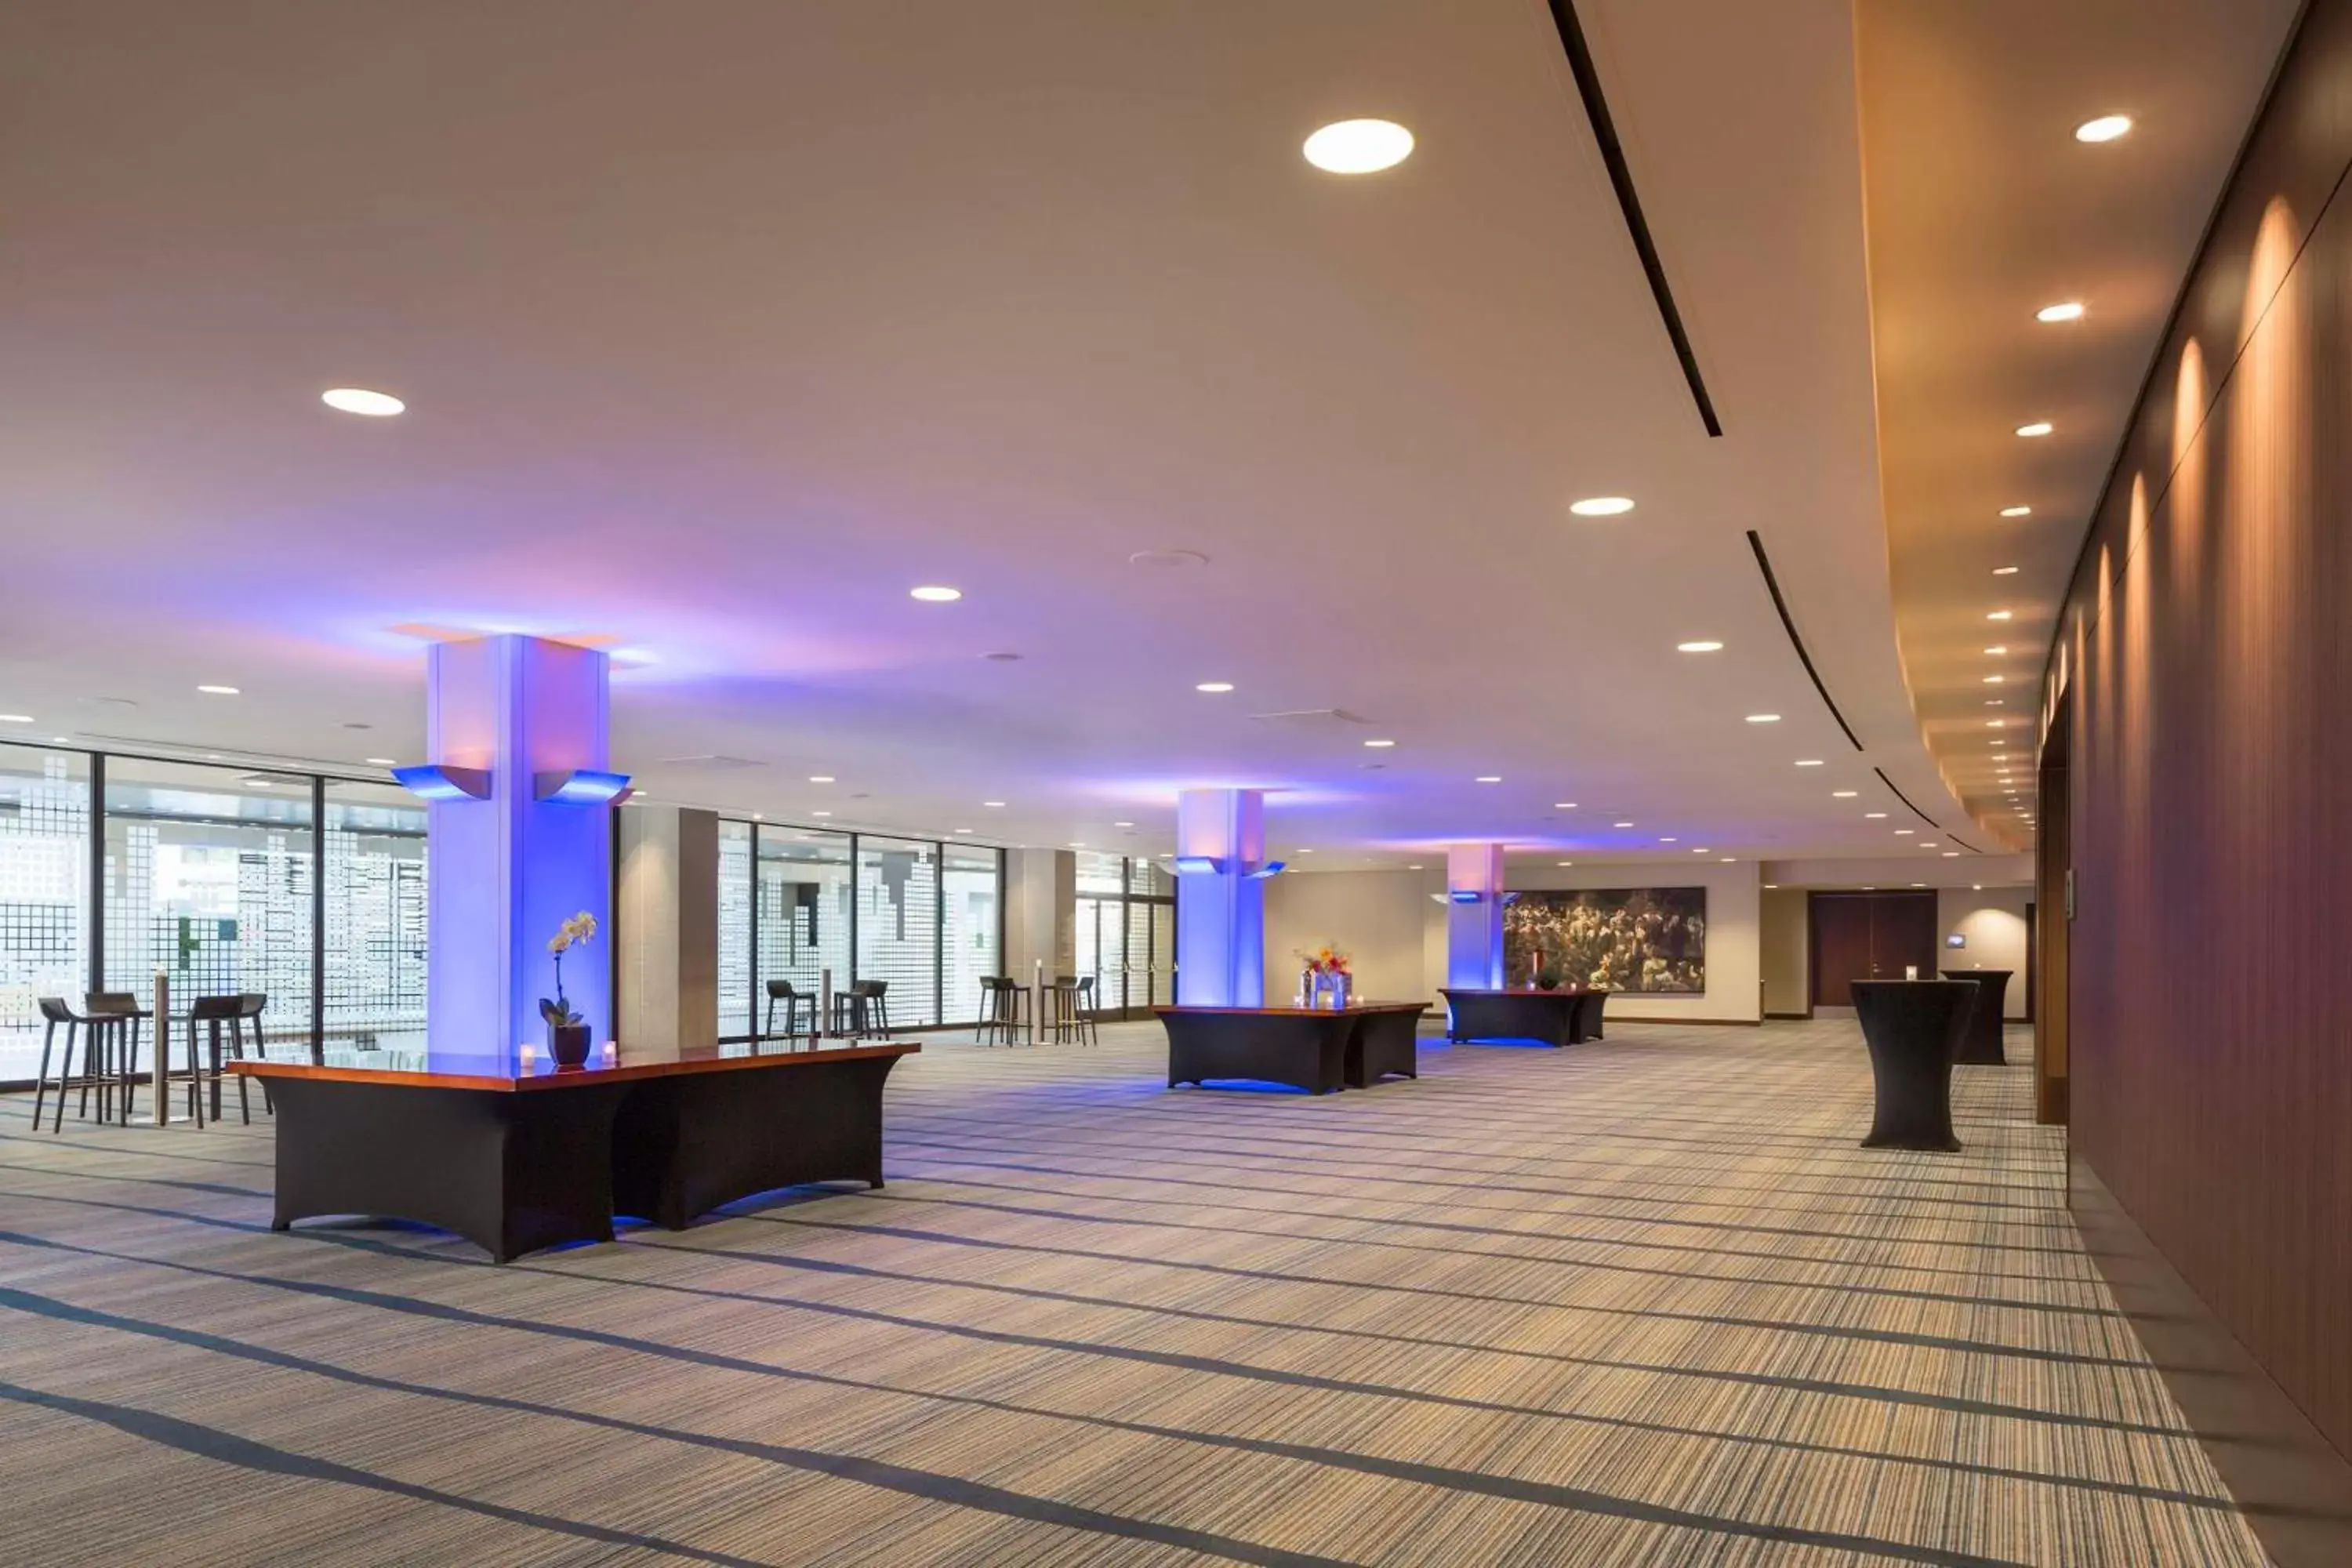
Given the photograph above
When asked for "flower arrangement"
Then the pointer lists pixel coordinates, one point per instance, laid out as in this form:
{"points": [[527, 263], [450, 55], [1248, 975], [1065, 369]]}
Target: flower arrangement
{"points": [[1326, 960], [572, 934]]}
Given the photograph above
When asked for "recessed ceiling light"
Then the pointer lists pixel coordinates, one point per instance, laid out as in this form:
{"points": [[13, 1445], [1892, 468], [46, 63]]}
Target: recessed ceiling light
{"points": [[1809, 762], [1489, 778], [1905, 832], [820, 778], [1995, 724], [1997, 615], [1563, 862], [1670, 841], [1995, 679], [2064, 310], [380, 761], [1214, 686], [1564, 806], [1077, 844], [992, 802], [1772, 887], [1380, 745], [1844, 794], [1729, 860], [1998, 744], [1620, 825], [1996, 701], [1763, 717], [1302, 851], [1918, 884], [1122, 824], [1413, 868], [820, 813], [1951, 853], [2004, 571], [2039, 427], [359, 400], [1997, 650], [1601, 506], [960, 830], [1359, 146], [16, 717], [2106, 128], [1873, 814], [218, 690], [2017, 511], [1700, 646], [933, 593], [1702, 849]]}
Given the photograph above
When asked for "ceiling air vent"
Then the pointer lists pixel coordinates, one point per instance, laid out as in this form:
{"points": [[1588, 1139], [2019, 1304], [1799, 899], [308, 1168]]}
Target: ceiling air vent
{"points": [[709, 763], [1311, 718]]}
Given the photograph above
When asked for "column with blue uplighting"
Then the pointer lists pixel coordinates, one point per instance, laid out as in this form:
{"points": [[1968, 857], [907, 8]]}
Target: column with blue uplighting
{"points": [[1473, 917], [520, 836], [1221, 871]]}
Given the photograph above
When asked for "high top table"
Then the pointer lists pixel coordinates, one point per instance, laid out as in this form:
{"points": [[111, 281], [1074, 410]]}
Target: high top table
{"points": [[1983, 1048], [1913, 1028], [515, 1158], [1318, 1050], [1560, 1018]]}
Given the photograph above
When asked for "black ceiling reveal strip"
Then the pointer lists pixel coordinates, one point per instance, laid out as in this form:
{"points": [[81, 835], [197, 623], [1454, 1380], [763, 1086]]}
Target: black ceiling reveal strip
{"points": [[1604, 132], [1907, 800], [1788, 624]]}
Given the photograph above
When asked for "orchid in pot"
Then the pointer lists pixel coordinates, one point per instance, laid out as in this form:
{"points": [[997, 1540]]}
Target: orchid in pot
{"points": [[567, 1032]]}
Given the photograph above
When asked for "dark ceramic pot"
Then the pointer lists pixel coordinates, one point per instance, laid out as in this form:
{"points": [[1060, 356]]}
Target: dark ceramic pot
{"points": [[568, 1043]]}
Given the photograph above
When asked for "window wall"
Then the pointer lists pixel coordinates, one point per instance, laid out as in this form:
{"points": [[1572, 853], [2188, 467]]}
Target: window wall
{"points": [[1126, 930], [307, 888], [796, 902]]}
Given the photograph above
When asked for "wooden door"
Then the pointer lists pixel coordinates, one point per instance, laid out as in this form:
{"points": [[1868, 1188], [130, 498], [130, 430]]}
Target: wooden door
{"points": [[1839, 944], [1905, 928]]}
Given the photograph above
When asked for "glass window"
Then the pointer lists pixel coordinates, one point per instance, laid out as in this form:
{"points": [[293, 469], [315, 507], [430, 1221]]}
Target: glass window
{"points": [[209, 879], [44, 894], [898, 924], [735, 1000], [969, 921], [1100, 873], [1150, 878], [375, 910], [804, 912]]}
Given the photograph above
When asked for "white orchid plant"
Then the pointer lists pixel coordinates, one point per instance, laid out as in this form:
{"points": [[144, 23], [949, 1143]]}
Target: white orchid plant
{"points": [[572, 934]]}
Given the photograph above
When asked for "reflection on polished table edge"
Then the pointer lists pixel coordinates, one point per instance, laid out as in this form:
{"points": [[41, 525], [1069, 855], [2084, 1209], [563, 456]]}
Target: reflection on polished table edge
{"points": [[506, 1075]]}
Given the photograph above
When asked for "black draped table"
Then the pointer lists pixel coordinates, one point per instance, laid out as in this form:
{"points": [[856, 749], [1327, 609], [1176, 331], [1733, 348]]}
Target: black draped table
{"points": [[1318, 1050], [515, 1157], [1913, 1028], [1982, 1047], [1562, 1017]]}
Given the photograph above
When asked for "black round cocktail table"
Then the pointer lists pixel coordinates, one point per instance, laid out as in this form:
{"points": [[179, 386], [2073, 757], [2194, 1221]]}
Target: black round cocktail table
{"points": [[1914, 1027], [1982, 1046]]}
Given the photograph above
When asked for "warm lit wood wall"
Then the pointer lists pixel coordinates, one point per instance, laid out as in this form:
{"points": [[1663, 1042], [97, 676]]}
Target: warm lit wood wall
{"points": [[2207, 653]]}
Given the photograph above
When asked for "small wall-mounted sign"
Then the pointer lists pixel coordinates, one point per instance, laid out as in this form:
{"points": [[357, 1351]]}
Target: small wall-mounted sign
{"points": [[1957, 939]]}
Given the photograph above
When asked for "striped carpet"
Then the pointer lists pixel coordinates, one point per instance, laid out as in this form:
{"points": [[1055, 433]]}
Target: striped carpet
{"points": [[1641, 1301]]}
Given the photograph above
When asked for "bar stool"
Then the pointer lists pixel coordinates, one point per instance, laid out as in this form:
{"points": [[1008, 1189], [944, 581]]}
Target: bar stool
{"points": [[876, 1008], [54, 1011], [1010, 1013], [985, 1027], [1083, 1022], [1060, 1004], [249, 1017], [782, 991], [212, 1012], [110, 1019]]}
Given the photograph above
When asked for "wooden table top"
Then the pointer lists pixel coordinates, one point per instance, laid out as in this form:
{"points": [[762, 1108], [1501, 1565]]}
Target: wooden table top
{"points": [[1302, 1012], [505, 1074], [1524, 991]]}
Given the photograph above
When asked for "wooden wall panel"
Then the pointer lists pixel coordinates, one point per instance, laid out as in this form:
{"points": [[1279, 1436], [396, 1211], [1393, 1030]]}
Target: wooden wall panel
{"points": [[2209, 672]]}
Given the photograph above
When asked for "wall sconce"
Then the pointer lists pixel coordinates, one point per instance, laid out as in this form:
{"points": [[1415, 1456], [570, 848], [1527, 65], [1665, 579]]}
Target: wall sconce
{"points": [[431, 781], [579, 786]]}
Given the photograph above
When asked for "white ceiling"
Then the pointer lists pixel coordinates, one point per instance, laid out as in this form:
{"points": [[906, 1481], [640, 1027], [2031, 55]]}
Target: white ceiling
{"points": [[720, 328], [1984, 208]]}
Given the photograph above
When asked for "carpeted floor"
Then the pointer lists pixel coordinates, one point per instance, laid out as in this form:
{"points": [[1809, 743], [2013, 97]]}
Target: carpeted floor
{"points": [[1641, 1301]]}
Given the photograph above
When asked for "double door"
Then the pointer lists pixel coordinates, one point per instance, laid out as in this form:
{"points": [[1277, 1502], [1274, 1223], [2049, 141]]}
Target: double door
{"points": [[1870, 936], [1129, 945]]}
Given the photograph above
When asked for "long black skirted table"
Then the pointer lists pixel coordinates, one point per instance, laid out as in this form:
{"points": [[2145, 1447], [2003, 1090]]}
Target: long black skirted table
{"points": [[516, 1158], [1550, 1017], [1318, 1050], [1914, 1028], [1983, 1048]]}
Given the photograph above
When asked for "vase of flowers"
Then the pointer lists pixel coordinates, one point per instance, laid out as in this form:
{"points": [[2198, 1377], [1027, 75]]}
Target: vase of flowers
{"points": [[1327, 977], [567, 1031]]}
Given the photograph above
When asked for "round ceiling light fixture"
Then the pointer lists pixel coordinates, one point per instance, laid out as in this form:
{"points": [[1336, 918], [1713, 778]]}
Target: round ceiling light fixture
{"points": [[1763, 717], [218, 690], [2064, 310], [1601, 506], [2017, 511], [1701, 646], [360, 400], [935, 594], [1359, 146], [2106, 128], [2039, 427], [1168, 558], [1214, 687]]}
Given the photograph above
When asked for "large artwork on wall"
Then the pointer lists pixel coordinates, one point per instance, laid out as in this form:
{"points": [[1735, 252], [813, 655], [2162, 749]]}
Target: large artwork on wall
{"points": [[1620, 939]]}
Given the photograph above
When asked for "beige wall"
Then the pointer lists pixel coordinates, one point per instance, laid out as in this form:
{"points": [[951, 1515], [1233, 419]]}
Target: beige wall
{"points": [[1993, 921], [1786, 930], [1381, 919]]}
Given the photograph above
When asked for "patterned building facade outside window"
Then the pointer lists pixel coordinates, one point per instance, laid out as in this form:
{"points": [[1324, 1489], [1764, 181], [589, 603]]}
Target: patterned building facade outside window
{"points": [[207, 872]]}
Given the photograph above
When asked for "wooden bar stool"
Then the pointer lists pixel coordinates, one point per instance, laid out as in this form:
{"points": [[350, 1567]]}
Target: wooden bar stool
{"points": [[55, 1011], [111, 1019], [212, 1012], [784, 991]]}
